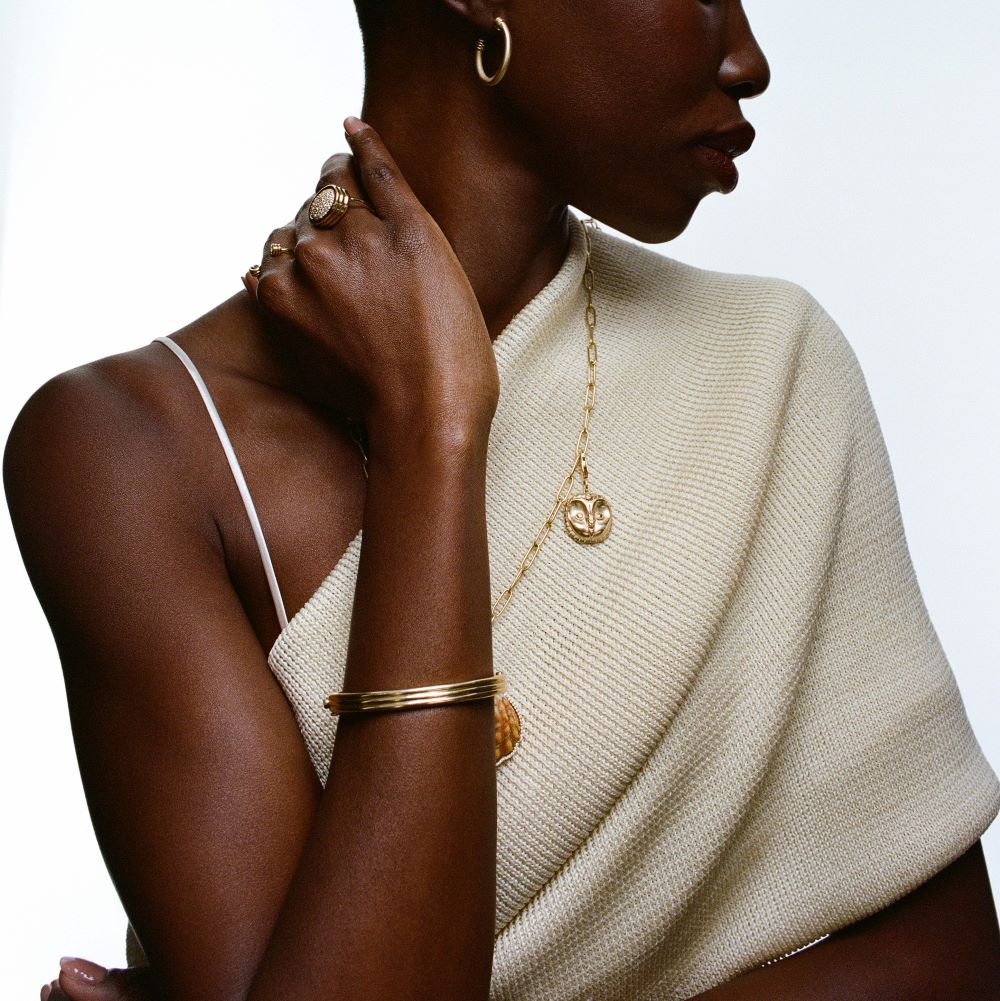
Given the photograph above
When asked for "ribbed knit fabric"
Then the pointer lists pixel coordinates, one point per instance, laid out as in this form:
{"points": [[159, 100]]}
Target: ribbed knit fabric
{"points": [[740, 730]]}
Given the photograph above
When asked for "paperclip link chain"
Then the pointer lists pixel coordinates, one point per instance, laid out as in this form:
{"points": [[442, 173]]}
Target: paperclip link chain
{"points": [[580, 462]]}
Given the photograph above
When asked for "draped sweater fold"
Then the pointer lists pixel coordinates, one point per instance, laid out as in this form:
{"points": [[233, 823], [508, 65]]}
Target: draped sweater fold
{"points": [[740, 731]]}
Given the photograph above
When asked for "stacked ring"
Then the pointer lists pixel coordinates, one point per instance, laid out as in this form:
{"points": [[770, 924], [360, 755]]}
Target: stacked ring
{"points": [[327, 208], [330, 203]]}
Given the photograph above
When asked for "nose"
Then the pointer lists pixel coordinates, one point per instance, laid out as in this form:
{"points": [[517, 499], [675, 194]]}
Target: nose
{"points": [[744, 72]]}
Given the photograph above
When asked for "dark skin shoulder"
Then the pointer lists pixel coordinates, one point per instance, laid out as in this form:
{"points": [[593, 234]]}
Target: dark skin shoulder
{"points": [[304, 471], [140, 550]]}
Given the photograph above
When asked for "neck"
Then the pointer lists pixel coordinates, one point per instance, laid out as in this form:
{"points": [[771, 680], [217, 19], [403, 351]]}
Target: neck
{"points": [[471, 169], [508, 230]]}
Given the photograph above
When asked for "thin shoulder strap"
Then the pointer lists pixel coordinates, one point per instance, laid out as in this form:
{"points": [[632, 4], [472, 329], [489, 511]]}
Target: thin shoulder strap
{"points": [[241, 483]]}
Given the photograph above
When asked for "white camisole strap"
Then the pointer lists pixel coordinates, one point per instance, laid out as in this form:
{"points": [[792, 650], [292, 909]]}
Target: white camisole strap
{"points": [[241, 483]]}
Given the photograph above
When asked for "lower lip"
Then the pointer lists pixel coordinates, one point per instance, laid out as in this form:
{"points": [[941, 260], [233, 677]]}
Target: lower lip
{"points": [[721, 165]]}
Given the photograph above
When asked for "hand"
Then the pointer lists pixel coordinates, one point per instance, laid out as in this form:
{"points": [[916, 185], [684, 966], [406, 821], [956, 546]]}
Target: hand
{"points": [[136, 983], [384, 298]]}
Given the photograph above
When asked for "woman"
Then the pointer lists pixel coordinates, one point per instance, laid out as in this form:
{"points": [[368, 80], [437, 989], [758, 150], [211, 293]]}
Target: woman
{"points": [[727, 716]]}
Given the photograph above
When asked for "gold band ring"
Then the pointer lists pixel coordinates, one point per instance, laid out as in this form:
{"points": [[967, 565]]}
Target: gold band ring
{"points": [[330, 204], [255, 270]]}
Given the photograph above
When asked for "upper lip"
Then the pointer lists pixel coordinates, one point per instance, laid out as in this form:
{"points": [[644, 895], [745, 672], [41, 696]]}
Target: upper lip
{"points": [[733, 140]]}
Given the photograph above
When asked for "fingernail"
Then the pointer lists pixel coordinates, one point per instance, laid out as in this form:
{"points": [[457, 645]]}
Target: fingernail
{"points": [[82, 969], [246, 284], [352, 124]]}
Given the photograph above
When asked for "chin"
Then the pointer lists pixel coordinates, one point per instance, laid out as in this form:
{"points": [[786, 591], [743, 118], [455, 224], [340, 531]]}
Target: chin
{"points": [[647, 226]]}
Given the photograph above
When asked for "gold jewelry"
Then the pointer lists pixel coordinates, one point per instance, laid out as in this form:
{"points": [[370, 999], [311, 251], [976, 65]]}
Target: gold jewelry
{"points": [[330, 203], [409, 698], [326, 209], [587, 516], [492, 81]]}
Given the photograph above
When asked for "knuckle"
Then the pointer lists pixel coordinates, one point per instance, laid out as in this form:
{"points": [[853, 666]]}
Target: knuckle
{"points": [[379, 171], [334, 167], [310, 252], [335, 162], [272, 291]]}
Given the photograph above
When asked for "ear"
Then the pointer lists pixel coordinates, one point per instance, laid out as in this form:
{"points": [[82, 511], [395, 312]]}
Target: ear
{"points": [[479, 13]]}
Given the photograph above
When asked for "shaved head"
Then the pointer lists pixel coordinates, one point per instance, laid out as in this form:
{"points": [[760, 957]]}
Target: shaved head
{"points": [[374, 17]]}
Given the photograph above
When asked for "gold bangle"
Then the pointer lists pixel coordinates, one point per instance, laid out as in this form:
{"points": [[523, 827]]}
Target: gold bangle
{"points": [[413, 698]]}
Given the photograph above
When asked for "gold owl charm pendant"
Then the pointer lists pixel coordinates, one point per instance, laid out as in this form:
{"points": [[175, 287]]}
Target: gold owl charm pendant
{"points": [[587, 515]]}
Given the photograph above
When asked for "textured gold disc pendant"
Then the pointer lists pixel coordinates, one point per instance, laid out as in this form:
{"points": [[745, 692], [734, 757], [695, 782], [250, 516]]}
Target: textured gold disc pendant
{"points": [[587, 517], [506, 728]]}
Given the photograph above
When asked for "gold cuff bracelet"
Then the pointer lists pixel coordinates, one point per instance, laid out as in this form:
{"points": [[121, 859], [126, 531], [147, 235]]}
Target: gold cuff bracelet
{"points": [[413, 698]]}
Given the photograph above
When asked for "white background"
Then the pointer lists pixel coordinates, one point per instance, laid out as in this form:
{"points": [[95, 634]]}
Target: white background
{"points": [[147, 150]]}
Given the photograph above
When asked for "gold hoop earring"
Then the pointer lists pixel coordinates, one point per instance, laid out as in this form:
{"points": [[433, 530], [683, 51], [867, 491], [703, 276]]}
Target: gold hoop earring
{"points": [[492, 81]]}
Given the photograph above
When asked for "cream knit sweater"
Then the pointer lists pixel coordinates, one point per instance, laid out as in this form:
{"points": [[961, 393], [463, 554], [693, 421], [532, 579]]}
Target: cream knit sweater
{"points": [[740, 731]]}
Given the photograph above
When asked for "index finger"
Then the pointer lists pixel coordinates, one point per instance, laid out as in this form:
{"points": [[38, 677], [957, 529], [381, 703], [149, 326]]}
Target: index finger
{"points": [[383, 181]]}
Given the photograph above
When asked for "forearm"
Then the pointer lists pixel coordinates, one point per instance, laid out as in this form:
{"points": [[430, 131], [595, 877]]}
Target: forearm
{"points": [[394, 895]]}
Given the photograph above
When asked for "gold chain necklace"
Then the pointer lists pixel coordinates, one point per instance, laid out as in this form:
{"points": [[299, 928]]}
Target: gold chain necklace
{"points": [[587, 516]]}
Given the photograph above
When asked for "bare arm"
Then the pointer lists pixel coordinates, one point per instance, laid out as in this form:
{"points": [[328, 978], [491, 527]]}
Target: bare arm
{"points": [[939, 942], [394, 896], [243, 878]]}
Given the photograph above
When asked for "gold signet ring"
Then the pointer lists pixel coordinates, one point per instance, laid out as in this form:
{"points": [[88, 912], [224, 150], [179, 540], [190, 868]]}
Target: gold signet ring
{"points": [[329, 205], [277, 248]]}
